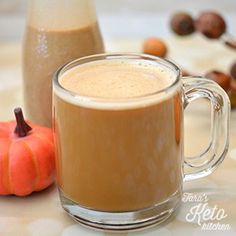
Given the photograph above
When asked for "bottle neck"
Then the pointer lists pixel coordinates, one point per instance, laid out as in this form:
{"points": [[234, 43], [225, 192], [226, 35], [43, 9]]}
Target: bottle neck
{"points": [[60, 14]]}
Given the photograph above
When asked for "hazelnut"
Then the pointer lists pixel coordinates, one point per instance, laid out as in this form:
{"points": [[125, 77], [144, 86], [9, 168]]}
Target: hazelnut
{"points": [[155, 47], [211, 24], [232, 93], [182, 24], [233, 70], [220, 78]]}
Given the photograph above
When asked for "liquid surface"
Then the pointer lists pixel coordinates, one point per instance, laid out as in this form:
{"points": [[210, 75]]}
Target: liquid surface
{"points": [[117, 78]]}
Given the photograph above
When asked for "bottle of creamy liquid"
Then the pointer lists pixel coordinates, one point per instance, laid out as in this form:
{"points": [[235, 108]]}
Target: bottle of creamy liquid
{"points": [[57, 31]]}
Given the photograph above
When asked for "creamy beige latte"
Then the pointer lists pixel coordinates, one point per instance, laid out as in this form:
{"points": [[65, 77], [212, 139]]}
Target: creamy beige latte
{"points": [[118, 141]]}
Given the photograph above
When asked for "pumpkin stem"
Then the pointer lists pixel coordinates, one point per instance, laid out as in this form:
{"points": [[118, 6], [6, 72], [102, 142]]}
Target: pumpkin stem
{"points": [[22, 128]]}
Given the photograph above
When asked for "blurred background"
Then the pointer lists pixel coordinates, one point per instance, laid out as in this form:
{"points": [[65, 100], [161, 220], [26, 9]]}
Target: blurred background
{"points": [[125, 24], [131, 19]]}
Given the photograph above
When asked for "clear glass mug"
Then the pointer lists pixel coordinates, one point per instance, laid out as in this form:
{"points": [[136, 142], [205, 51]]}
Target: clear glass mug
{"points": [[104, 189]]}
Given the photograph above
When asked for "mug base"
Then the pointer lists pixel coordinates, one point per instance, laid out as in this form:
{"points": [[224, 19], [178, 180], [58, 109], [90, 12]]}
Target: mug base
{"points": [[122, 221]]}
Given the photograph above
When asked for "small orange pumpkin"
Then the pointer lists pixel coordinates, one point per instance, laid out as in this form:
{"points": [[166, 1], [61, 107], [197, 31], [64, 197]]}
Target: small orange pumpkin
{"points": [[27, 161]]}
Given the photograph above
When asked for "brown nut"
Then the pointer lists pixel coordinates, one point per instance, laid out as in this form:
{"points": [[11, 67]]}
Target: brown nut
{"points": [[232, 93], [182, 24], [220, 78], [211, 24], [155, 47], [233, 70]]}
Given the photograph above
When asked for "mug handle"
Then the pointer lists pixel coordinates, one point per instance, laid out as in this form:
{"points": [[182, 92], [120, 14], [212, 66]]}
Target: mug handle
{"points": [[204, 164]]}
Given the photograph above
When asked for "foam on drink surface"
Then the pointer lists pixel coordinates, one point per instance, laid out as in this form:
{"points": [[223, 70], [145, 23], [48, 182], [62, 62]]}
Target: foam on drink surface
{"points": [[117, 79]]}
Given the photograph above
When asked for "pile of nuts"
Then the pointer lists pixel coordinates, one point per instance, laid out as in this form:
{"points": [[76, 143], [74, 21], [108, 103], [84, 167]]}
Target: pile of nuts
{"points": [[212, 25]]}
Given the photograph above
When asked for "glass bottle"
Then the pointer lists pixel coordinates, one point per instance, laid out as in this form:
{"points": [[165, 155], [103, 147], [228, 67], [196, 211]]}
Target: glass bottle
{"points": [[57, 31]]}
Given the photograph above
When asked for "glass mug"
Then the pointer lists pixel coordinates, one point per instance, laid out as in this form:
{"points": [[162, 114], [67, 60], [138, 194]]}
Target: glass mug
{"points": [[120, 163]]}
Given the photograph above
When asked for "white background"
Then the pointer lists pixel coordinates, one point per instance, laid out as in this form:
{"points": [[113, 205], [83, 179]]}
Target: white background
{"points": [[132, 19]]}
